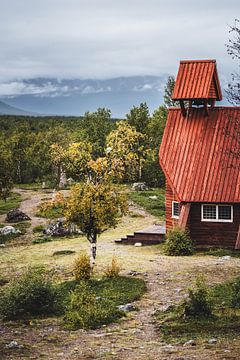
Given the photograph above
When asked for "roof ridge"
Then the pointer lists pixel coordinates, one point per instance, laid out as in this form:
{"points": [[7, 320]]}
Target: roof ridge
{"points": [[198, 61], [215, 108]]}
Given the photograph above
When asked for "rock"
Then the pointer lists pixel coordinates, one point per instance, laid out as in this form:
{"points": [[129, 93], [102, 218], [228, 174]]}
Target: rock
{"points": [[212, 341], [70, 181], [224, 258], [6, 230], [166, 308], [56, 229], [2, 245], [138, 244], [178, 290], [13, 345], [134, 273], [190, 342], [153, 197], [169, 349], [127, 307], [140, 186], [16, 215]]}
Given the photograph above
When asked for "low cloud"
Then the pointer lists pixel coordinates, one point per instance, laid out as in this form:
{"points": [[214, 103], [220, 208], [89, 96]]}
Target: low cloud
{"points": [[106, 39]]}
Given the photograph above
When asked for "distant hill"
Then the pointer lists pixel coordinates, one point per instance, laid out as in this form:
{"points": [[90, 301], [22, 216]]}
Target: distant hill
{"points": [[6, 109], [76, 96]]}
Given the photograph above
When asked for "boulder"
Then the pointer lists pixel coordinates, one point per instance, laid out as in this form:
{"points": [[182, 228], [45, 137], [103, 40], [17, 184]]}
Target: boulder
{"points": [[16, 215], [56, 229], [138, 244], [6, 230], [139, 186], [127, 307]]}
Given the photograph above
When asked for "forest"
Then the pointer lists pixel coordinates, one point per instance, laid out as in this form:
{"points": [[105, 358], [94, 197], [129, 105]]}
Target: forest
{"points": [[40, 149]]}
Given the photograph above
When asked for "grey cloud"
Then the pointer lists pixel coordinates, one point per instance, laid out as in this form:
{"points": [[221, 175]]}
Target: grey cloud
{"points": [[106, 38]]}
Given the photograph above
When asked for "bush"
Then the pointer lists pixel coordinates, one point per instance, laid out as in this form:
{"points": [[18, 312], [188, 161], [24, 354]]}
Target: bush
{"points": [[113, 269], [42, 240], [38, 228], [52, 209], [82, 267], [30, 295], [235, 297], [178, 243], [199, 303], [87, 311]]}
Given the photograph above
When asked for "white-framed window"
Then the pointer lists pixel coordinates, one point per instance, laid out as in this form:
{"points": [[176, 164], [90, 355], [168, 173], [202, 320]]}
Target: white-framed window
{"points": [[217, 213], [175, 209]]}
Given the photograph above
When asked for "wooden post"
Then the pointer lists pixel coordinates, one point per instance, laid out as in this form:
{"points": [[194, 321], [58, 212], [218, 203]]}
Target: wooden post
{"points": [[237, 245], [183, 110], [184, 213]]}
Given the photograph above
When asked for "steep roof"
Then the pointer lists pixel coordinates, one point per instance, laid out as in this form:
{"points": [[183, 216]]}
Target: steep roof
{"points": [[197, 79], [200, 155]]}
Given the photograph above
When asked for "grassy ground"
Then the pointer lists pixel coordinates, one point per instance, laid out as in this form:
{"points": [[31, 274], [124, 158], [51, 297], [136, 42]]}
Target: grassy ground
{"points": [[22, 226], [135, 337], [51, 213], [120, 290], [219, 252], [155, 206], [13, 201], [224, 321], [32, 186]]}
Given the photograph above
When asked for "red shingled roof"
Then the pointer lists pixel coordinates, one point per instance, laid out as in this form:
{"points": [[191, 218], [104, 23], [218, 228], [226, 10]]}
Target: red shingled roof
{"points": [[197, 79], [200, 155]]}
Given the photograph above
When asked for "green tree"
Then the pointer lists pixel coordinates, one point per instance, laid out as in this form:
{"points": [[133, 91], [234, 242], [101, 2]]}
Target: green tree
{"points": [[152, 173], [156, 126], [95, 207], [6, 182], [95, 128], [168, 91], [139, 117]]}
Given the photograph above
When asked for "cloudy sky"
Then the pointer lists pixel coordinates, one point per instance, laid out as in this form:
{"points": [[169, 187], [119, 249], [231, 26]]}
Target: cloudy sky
{"points": [[102, 39]]}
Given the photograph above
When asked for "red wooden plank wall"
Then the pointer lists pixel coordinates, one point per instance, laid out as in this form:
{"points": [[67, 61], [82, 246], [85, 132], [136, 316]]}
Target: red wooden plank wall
{"points": [[213, 233]]}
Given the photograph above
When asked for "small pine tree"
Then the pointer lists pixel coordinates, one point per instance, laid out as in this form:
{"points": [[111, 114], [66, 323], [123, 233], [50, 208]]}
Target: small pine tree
{"points": [[178, 242]]}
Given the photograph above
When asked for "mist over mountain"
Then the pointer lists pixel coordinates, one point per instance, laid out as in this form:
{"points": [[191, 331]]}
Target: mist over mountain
{"points": [[6, 109], [76, 96]]}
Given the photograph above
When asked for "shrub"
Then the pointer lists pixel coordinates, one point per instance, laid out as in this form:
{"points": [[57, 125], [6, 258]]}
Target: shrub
{"points": [[52, 209], [38, 228], [87, 311], [178, 243], [235, 296], [199, 303], [30, 295], [42, 240], [82, 267], [113, 269]]}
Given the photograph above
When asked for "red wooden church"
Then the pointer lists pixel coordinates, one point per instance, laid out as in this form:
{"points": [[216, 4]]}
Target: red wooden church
{"points": [[200, 156]]}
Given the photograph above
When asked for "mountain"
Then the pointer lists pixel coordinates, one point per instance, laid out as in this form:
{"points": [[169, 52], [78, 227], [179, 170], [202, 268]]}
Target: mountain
{"points": [[76, 96], [6, 109]]}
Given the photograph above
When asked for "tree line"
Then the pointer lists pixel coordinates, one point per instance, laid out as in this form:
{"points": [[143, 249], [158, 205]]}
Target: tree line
{"points": [[40, 149]]}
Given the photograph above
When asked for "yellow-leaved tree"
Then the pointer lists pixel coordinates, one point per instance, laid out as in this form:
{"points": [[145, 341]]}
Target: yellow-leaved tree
{"points": [[126, 147], [96, 204]]}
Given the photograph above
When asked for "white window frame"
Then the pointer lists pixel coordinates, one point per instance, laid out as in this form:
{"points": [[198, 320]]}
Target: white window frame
{"points": [[175, 216], [217, 218]]}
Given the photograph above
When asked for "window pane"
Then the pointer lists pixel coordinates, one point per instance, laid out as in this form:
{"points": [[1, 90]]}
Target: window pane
{"points": [[224, 212], [209, 212], [176, 208]]}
